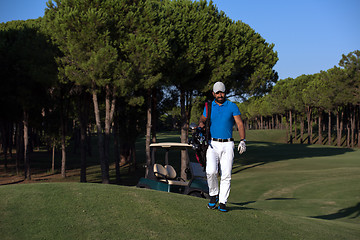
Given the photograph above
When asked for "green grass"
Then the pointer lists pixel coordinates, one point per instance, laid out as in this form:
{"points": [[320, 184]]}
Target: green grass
{"points": [[275, 136], [278, 191]]}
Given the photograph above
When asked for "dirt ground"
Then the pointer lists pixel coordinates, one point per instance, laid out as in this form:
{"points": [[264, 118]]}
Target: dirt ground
{"points": [[10, 176], [13, 176]]}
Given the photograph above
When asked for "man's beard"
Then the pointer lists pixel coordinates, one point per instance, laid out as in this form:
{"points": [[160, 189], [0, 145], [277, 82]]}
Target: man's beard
{"points": [[220, 100]]}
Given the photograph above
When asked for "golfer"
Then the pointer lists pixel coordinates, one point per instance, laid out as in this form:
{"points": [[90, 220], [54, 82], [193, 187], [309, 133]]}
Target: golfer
{"points": [[220, 152]]}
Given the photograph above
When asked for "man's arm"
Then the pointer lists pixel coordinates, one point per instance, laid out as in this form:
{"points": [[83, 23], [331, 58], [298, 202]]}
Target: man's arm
{"points": [[202, 121], [240, 126], [241, 129]]}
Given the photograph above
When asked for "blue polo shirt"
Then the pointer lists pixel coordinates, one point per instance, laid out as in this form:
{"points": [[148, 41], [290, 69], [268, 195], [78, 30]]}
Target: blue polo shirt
{"points": [[222, 119]]}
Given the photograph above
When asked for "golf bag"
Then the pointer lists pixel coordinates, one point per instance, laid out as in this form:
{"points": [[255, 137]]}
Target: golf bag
{"points": [[201, 137]]}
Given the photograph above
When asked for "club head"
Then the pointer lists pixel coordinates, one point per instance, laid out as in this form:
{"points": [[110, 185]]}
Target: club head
{"points": [[193, 126]]}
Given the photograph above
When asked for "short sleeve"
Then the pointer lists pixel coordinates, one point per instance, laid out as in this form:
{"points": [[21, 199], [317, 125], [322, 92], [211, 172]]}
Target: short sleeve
{"points": [[236, 110]]}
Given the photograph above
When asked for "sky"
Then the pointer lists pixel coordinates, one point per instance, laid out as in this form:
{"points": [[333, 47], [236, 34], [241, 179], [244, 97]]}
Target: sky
{"points": [[309, 35]]}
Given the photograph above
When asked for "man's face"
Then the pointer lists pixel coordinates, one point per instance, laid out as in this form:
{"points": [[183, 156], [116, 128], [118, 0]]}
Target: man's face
{"points": [[219, 97]]}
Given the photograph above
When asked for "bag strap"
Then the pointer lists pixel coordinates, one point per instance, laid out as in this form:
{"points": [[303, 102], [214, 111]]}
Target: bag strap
{"points": [[208, 120]]}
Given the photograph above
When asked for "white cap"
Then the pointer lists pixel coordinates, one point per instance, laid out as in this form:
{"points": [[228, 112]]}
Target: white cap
{"points": [[219, 87]]}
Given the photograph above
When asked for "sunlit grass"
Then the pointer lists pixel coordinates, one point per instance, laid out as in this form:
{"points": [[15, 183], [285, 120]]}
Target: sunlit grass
{"points": [[278, 191]]}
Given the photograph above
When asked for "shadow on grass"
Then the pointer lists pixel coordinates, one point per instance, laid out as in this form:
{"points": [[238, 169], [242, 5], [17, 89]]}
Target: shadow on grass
{"points": [[280, 199], [342, 213], [259, 153], [239, 206], [239, 168], [15, 182]]}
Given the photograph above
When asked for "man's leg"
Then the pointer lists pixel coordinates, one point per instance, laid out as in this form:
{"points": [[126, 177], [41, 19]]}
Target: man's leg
{"points": [[226, 162], [212, 161]]}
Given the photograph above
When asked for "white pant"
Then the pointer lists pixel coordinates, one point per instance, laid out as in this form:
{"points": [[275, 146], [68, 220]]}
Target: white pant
{"points": [[223, 153]]}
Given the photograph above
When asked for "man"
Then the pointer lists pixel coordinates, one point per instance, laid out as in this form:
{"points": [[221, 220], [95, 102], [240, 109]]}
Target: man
{"points": [[221, 147]]}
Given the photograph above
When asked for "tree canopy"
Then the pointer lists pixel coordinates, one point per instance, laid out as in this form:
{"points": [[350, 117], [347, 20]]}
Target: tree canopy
{"points": [[335, 91], [125, 55]]}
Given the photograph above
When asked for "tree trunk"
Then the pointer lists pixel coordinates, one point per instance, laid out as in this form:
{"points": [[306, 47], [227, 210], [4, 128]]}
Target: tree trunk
{"points": [[309, 124], [290, 130], [154, 116], [352, 121], [110, 102], [63, 146], [26, 146], [341, 124], [188, 107], [320, 128], [103, 163], [358, 125], [83, 137], [53, 159], [19, 146], [76, 137], [302, 130], [83, 112], [295, 127], [338, 131], [348, 128], [116, 148], [148, 133], [287, 131], [132, 156], [5, 141], [184, 133], [339, 127], [348, 134], [12, 139], [311, 131], [88, 140], [329, 128]]}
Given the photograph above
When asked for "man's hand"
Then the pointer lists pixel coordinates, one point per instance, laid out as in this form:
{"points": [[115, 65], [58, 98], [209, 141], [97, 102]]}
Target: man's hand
{"points": [[242, 147], [202, 121]]}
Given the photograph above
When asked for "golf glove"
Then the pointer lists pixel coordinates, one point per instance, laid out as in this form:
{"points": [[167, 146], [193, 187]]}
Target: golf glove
{"points": [[241, 147]]}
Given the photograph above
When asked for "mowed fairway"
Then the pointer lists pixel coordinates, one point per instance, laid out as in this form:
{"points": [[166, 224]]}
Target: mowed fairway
{"points": [[278, 191]]}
